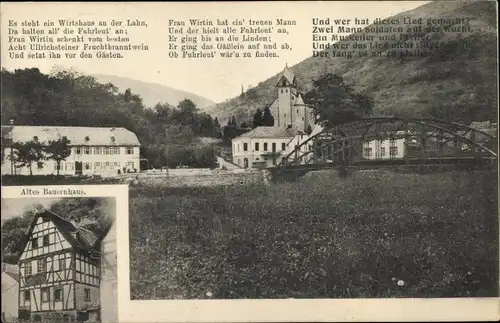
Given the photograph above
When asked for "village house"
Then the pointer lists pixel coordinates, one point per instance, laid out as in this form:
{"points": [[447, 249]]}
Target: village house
{"points": [[10, 292], [94, 150], [261, 147], [60, 271]]}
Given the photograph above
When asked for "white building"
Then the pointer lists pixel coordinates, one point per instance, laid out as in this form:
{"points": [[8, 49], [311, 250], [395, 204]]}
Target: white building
{"points": [[10, 292], [94, 150], [384, 149], [261, 147]]}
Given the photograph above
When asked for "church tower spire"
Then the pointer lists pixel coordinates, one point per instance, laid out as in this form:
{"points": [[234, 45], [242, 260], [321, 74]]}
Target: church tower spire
{"points": [[285, 85]]}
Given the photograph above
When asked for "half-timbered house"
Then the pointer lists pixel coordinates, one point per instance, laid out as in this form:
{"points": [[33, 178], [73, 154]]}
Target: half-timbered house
{"points": [[59, 271]]}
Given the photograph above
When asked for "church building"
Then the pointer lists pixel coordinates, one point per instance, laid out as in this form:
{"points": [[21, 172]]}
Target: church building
{"points": [[265, 146], [289, 109]]}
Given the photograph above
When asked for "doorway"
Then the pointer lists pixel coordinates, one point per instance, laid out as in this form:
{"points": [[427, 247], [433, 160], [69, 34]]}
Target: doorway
{"points": [[78, 168]]}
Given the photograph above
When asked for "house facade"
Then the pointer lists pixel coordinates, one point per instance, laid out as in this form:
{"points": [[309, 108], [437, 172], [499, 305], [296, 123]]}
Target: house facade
{"points": [[59, 271], [10, 292], [94, 150], [261, 147]]}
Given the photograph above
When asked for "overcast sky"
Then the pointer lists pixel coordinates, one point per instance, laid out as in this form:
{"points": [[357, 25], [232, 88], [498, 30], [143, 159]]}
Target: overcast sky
{"points": [[16, 207], [214, 79]]}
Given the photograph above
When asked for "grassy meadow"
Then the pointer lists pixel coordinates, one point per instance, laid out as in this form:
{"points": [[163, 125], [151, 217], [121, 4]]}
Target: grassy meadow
{"points": [[372, 234]]}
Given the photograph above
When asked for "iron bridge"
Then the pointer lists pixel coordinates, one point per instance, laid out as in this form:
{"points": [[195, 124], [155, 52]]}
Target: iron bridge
{"points": [[392, 141]]}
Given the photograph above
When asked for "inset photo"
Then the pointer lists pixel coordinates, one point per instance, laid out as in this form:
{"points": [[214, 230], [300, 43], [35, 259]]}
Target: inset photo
{"points": [[59, 259]]}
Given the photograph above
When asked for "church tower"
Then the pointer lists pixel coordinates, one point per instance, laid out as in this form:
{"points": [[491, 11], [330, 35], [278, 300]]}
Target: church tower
{"points": [[286, 90]]}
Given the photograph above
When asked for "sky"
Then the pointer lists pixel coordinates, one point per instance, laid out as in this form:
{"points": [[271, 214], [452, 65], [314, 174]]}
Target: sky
{"points": [[13, 207], [215, 79]]}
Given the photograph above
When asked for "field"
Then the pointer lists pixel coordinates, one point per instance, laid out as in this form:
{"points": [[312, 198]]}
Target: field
{"points": [[372, 234]]}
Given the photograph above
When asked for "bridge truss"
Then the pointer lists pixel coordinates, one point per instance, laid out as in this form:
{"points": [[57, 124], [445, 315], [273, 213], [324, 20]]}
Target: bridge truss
{"points": [[392, 140]]}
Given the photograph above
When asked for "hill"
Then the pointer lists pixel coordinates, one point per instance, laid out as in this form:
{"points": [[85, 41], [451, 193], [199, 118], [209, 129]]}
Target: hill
{"points": [[153, 93], [451, 83]]}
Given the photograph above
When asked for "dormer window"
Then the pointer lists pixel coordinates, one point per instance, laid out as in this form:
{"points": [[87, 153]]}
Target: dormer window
{"points": [[35, 138], [113, 138], [87, 138]]}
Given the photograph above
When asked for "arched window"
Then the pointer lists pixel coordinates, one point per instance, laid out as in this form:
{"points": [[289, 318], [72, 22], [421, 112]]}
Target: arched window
{"points": [[245, 162]]}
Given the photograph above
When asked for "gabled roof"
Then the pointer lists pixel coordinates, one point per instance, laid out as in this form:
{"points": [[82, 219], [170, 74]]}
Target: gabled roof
{"points": [[288, 75], [78, 136], [11, 271], [80, 238], [268, 132]]}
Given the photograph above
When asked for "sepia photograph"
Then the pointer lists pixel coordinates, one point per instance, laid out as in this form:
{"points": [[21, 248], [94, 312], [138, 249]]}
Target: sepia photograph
{"points": [[59, 260], [274, 152]]}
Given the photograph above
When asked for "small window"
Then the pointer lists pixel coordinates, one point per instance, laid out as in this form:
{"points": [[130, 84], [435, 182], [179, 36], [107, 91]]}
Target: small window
{"points": [[87, 294], [297, 110], [34, 243], [283, 146], [382, 152], [256, 146], [97, 150], [58, 294], [281, 90], [265, 146], [87, 150], [46, 240], [41, 265], [27, 296], [27, 269], [245, 147], [87, 166], [62, 264], [274, 147], [45, 294], [130, 150], [78, 151]]}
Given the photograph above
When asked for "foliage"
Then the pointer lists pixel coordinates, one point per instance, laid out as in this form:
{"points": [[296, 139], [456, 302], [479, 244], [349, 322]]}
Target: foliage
{"points": [[67, 98], [318, 238], [94, 214], [267, 118], [25, 154], [257, 119], [58, 150], [336, 102]]}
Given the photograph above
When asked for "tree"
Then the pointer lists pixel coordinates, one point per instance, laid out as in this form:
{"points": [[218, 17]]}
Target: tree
{"points": [[257, 118], [243, 125], [58, 150], [233, 121], [267, 118], [309, 129], [28, 153], [334, 101]]}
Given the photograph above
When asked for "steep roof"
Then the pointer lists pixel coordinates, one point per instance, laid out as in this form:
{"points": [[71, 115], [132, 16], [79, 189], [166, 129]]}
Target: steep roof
{"points": [[78, 136], [80, 238], [288, 75], [268, 132], [11, 270]]}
